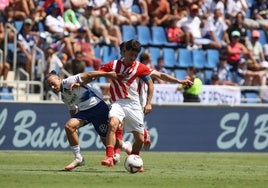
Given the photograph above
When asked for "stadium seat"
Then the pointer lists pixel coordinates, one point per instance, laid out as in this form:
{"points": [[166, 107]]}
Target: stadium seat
{"points": [[6, 93], [213, 58], [97, 51], [144, 35], [109, 53], [155, 53], [159, 37], [184, 58], [18, 25], [128, 32], [208, 74], [170, 58], [252, 97], [180, 74], [199, 59]]}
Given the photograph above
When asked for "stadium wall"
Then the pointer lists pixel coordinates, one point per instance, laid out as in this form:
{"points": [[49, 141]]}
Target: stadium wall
{"points": [[185, 127]]}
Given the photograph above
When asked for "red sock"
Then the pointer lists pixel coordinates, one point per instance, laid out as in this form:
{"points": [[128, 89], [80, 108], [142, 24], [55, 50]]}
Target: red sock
{"points": [[109, 151], [119, 136]]}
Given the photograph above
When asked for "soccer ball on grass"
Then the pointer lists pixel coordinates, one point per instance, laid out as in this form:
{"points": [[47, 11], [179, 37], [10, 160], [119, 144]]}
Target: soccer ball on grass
{"points": [[133, 163]]}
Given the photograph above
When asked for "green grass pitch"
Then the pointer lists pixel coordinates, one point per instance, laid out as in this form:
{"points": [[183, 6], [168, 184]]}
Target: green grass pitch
{"points": [[37, 169]]}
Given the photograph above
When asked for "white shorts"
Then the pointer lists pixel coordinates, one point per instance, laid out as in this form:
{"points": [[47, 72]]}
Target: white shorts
{"points": [[133, 118]]}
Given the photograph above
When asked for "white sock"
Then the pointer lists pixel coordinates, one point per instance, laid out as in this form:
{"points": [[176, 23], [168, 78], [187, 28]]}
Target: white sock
{"points": [[76, 152], [124, 145]]}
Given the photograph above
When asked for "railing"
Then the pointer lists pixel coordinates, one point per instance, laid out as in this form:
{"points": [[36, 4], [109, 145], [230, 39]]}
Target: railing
{"points": [[40, 62], [7, 27], [21, 90]]}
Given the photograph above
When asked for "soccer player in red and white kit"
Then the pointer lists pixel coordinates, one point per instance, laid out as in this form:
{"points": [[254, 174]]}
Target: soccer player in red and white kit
{"points": [[126, 101]]}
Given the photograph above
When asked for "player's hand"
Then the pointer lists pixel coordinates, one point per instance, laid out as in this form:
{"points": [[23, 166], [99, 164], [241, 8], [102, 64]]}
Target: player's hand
{"points": [[186, 83], [74, 85], [147, 109]]}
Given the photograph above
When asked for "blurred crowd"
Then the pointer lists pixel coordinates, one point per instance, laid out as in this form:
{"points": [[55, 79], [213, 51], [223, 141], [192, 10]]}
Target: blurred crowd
{"points": [[69, 32]]}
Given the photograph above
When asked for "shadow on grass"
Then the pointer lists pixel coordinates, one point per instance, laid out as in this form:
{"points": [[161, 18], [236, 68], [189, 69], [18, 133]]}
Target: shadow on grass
{"points": [[73, 171]]}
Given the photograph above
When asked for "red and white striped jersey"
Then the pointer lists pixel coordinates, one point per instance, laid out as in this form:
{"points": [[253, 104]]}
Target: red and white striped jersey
{"points": [[126, 86]]}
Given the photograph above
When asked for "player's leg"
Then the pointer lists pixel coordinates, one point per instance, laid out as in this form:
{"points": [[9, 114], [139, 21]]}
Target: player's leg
{"points": [[71, 129], [138, 143], [147, 140], [110, 141], [116, 115]]}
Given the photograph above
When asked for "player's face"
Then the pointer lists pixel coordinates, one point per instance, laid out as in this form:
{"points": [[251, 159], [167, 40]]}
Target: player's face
{"points": [[130, 56], [54, 83]]}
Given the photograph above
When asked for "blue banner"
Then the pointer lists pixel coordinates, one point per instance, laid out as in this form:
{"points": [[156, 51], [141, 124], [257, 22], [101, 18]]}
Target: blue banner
{"points": [[32, 126]]}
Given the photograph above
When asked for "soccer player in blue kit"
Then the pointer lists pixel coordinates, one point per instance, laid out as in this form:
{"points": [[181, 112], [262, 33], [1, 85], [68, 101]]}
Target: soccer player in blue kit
{"points": [[85, 105]]}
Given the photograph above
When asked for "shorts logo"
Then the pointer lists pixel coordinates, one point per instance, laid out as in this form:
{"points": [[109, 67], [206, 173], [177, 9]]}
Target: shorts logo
{"points": [[103, 128]]}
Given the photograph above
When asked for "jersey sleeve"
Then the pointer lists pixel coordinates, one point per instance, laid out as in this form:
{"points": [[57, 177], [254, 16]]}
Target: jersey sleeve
{"points": [[144, 71], [108, 67]]}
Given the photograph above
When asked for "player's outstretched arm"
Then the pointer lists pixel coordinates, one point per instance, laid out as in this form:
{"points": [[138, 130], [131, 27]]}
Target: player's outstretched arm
{"points": [[168, 78], [93, 75]]}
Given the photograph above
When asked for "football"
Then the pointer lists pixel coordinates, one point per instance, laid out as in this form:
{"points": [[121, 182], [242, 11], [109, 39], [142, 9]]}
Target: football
{"points": [[133, 163]]}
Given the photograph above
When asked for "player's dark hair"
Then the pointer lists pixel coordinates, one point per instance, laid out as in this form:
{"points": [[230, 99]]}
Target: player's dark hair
{"points": [[133, 45], [122, 45], [53, 72]]}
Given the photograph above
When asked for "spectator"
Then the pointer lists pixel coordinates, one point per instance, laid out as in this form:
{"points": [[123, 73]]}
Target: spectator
{"points": [[191, 93], [255, 47], [160, 68], [8, 18], [235, 6], [222, 74], [145, 58], [26, 41], [4, 4], [258, 12], [49, 4], [2, 32], [121, 12], [22, 8], [215, 29], [114, 32], [215, 80], [94, 29], [55, 60], [83, 45], [56, 26], [236, 50], [237, 25], [175, 34], [244, 77], [208, 7], [70, 20], [191, 25], [177, 9], [4, 69], [76, 65], [159, 12]]}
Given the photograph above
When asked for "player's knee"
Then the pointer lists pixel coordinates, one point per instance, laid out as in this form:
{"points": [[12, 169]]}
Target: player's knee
{"points": [[69, 128], [113, 125]]}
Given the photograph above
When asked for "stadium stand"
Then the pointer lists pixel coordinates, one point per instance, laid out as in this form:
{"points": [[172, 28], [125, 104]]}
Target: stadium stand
{"points": [[153, 39]]}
